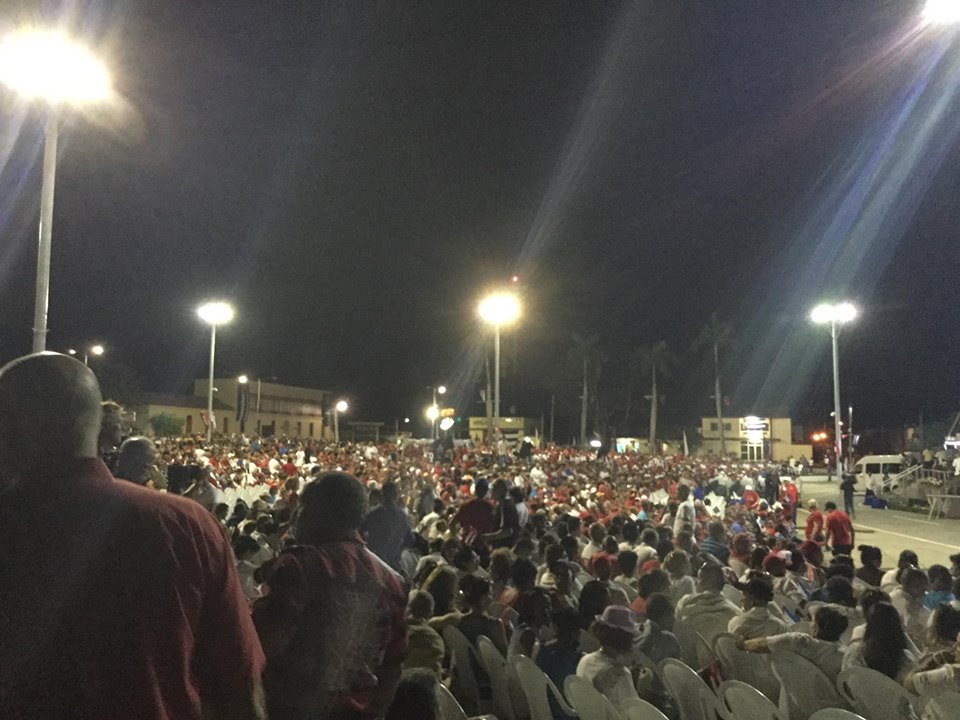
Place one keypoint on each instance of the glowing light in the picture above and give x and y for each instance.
(839, 313)
(71, 351)
(243, 379)
(433, 412)
(215, 313)
(595, 444)
(97, 350)
(442, 390)
(47, 65)
(500, 308)
(342, 406)
(406, 420)
(942, 12)
(446, 423)
(515, 278)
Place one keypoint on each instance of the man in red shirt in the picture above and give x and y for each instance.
(839, 530)
(332, 621)
(814, 527)
(475, 516)
(116, 601)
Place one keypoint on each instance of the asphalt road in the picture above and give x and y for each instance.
(890, 530)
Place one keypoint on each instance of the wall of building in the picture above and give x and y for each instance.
(776, 434)
(514, 429)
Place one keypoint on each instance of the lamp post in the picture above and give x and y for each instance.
(48, 66)
(213, 313)
(340, 407)
(498, 310)
(438, 390)
(835, 315)
(95, 350)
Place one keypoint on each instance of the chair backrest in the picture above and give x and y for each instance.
(806, 688)
(589, 702)
(750, 668)
(698, 653)
(739, 700)
(630, 591)
(835, 714)
(449, 707)
(513, 616)
(732, 594)
(461, 652)
(537, 688)
(637, 709)
(694, 699)
(874, 695)
(945, 706)
(496, 667)
(496, 610)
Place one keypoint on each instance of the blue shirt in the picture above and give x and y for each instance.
(934, 598)
(387, 532)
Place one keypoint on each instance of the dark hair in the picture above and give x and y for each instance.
(760, 588)
(330, 506)
(627, 560)
(442, 584)
(463, 557)
(940, 577)
(245, 544)
(829, 505)
(660, 610)
(528, 605)
(553, 553)
(945, 623)
(870, 597)
(630, 532)
(683, 492)
(870, 555)
(908, 558)
(524, 544)
(415, 697)
(500, 568)
(650, 537)
(884, 640)
(839, 590)
(570, 546)
(474, 589)
(711, 577)
(717, 530)
(568, 624)
(830, 623)
(652, 582)
(523, 574)
(594, 597)
(389, 493)
(618, 640)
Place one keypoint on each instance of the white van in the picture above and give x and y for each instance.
(870, 470)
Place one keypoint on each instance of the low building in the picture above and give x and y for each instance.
(754, 438)
(514, 429)
(189, 411)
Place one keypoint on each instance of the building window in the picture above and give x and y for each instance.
(714, 427)
(189, 425)
(727, 427)
(311, 431)
(299, 429)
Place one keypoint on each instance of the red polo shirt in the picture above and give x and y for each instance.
(117, 601)
(840, 528)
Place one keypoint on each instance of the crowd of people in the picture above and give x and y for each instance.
(275, 577)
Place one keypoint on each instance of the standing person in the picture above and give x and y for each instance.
(506, 519)
(332, 619)
(387, 529)
(847, 483)
(840, 533)
(686, 511)
(475, 516)
(813, 531)
(132, 607)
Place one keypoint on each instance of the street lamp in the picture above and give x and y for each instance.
(47, 66)
(340, 407)
(942, 12)
(213, 313)
(498, 310)
(438, 390)
(835, 315)
(95, 350)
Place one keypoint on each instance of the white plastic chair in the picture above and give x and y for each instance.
(496, 667)
(751, 668)
(835, 714)
(945, 706)
(693, 698)
(465, 680)
(738, 700)
(589, 702)
(874, 695)
(733, 595)
(804, 687)
(696, 636)
(450, 709)
(538, 688)
(637, 709)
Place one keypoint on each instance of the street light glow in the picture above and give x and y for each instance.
(942, 12)
(215, 313)
(71, 351)
(500, 309)
(833, 313)
(243, 379)
(433, 412)
(442, 390)
(96, 350)
(342, 406)
(47, 65)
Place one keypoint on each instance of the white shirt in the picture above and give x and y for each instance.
(756, 622)
(935, 682)
(608, 675)
(589, 551)
(956, 465)
(686, 515)
(914, 614)
(828, 656)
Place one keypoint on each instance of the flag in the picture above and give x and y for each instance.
(243, 401)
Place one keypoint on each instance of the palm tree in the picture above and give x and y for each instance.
(653, 359)
(715, 335)
(585, 357)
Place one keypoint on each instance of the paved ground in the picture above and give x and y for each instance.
(891, 530)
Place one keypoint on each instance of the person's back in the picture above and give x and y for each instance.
(386, 528)
(117, 601)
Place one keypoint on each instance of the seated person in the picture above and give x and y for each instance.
(758, 618)
(823, 649)
(608, 669)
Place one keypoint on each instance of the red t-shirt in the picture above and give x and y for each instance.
(475, 515)
(840, 528)
(814, 526)
(116, 602)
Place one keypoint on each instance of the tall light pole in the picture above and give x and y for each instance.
(340, 407)
(438, 390)
(835, 315)
(213, 313)
(48, 66)
(95, 350)
(498, 310)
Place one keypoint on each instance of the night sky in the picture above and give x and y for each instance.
(355, 175)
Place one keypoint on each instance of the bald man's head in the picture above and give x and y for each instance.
(49, 414)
